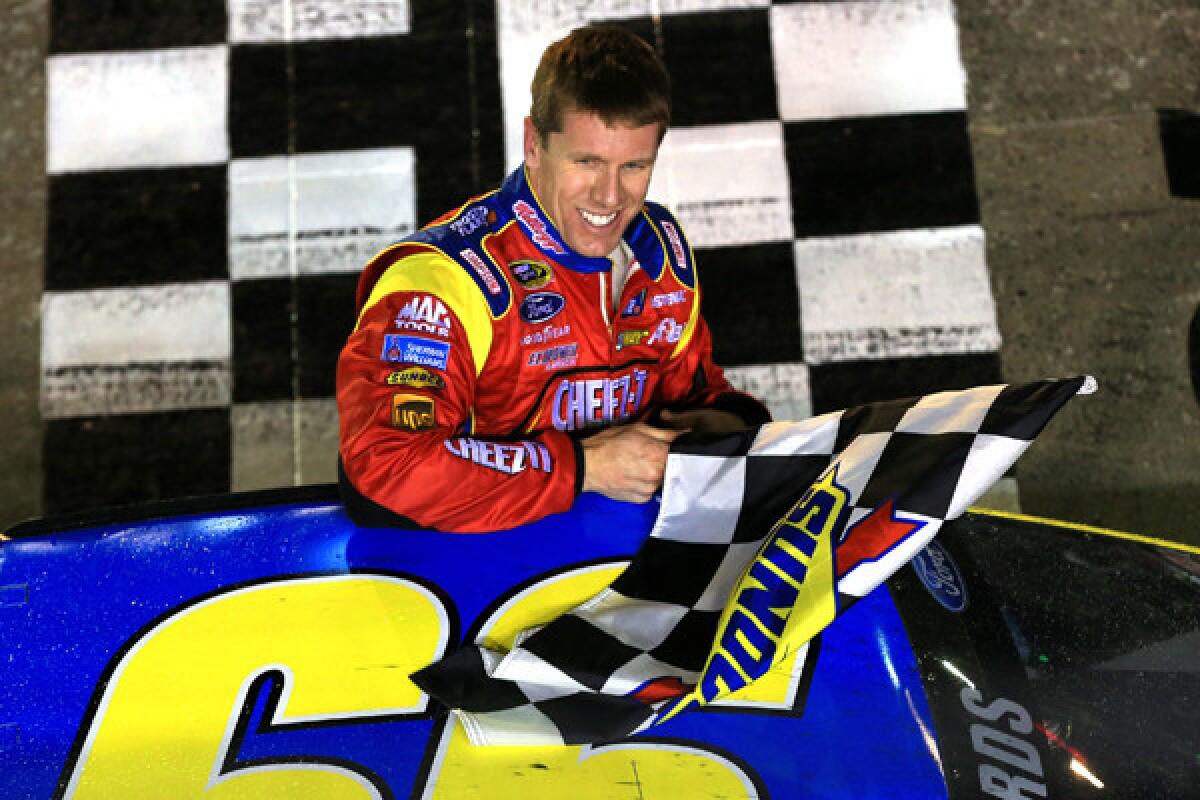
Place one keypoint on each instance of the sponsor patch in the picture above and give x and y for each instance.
(546, 334)
(424, 314)
(631, 338)
(668, 299)
(531, 274)
(412, 412)
(587, 402)
(511, 459)
(635, 306)
(668, 331)
(417, 378)
(415, 350)
(563, 355)
(941, 577)
(536, 227)
(481, 269)
(676, 243)
(470, 220)
(541, 306)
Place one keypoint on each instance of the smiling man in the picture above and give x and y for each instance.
(515, 351)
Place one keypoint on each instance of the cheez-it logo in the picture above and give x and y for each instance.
(412, 412)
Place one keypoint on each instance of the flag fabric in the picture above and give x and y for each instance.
(763, 538)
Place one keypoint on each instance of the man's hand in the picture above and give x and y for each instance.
(703, 420)
(627, 462)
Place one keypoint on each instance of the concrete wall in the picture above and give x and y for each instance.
(1095, 266)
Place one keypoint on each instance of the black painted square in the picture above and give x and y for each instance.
(136, 227)
(96, 462)
(262, 339)
(85, 26)
(750, 300)
(863, 174)
(851, 383)
(720, 66)
(259, 104)
(326, 317)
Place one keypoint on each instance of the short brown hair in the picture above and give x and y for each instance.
(604, 69)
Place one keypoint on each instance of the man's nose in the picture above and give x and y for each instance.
(607, 188)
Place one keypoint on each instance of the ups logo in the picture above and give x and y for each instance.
(412, 412)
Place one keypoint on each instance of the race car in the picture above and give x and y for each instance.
(260, 645)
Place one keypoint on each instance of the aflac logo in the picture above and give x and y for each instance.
(941, 577)
(541, 306)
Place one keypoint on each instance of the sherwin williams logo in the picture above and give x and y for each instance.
(531, 274)
(417, 378)
(536, 226)
(415, 350)
(541, 306)
(941, 577)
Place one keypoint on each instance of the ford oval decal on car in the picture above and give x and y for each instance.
(941, 577)
(541, 306)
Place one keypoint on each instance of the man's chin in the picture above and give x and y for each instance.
(593, 247)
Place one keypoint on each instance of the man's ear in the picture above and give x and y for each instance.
(532, 141)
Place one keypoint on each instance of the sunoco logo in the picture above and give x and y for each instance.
(941, 577)
(417, 378)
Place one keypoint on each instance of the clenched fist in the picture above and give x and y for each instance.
(626, 463)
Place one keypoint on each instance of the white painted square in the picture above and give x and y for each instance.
(728, 184)
(782, 388)
(318, 213)
(895, 295)
(304, 20)
(852, 59)
(155, 108)
(152, 348)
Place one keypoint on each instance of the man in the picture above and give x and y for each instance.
(490, 344)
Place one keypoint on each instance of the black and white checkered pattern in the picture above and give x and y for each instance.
(221, 169)
(924, 460)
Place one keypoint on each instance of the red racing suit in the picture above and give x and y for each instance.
(485, 347)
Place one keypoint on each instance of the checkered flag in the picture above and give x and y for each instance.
(763, 538)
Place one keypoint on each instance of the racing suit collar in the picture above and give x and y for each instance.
(518, 200)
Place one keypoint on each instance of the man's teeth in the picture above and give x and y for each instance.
(596, 219)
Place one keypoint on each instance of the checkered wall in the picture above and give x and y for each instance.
(220, 171)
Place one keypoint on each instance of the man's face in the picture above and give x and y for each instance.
(591, 178)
